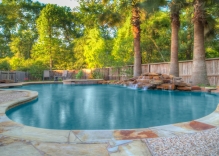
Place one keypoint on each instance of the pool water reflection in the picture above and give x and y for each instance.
(95, 107)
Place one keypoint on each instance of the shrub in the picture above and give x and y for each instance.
(79, 75)
(4, 65)
(97, 75)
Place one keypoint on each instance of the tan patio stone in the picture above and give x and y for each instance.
(94, 136)
(8, 126)
(72, 138)
(195, 125)
(162, 133)
(212, 119)
(135, 148)
(10, 147)
(56, 149)
(175, 130)
(134, 134)
(45, 135)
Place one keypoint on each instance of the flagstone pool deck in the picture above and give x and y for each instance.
(197, 137)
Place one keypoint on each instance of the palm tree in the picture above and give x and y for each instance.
(199, 71)
(135, 6)
(136, 34)
(175, 6)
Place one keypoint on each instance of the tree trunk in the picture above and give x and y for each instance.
(50, 63)
(136, 34)
(199, 71)
(174, 64)
(189, 51)
(50, 48)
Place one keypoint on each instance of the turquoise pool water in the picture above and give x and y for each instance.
(95, 107)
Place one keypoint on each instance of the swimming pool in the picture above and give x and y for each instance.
(96, 107)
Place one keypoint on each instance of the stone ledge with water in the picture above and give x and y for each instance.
(155, 81)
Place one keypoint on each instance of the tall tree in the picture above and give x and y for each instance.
(26, 34)
(122, 46)
(136, 34)
(8, 16)
(18, 26)
(135, 7)
(96, 39)
(186, 34)
(175, 25)
(199, 71)
(55, 33)
(156, 39)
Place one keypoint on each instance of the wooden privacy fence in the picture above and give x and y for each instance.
(121, 73)
(125, 72)
(185, 70)
(16, 76)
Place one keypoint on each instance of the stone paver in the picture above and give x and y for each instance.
(134, 148)
(57, 149)
(10, 146)
(45, 135)
(94, 136)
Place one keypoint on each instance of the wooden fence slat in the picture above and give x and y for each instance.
(121, 73)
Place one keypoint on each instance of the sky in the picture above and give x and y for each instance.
(69, 3)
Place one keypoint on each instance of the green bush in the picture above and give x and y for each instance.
(4, 65)
(97, 75)
(127, 72)
(79, 75)
(35, 70)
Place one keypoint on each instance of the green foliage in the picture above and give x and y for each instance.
(17, 63)
(96, 75)
(204, 85)
(55, 37)
(79, 75)
(34, 67)
(123, 45)
(36, 70)
(4, 65)
(156, 39)
(95, 50)
(79, 53)
(18, 28)
(128, 72)
(35, 37)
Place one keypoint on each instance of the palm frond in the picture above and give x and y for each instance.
(110, 18)
(151, 5)
(105, 1)
(209, 26)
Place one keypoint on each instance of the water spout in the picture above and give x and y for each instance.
(145, 88)
(133, 86)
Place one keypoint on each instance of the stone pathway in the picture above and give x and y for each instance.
(199, 137)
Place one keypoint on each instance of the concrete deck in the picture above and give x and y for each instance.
(82, 81)
(12, 85)
(198, 137)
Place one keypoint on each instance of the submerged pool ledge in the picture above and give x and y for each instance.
(152, 138)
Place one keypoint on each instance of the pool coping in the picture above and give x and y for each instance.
(13, 129)
(204, 123)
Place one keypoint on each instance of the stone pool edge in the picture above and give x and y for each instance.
(12, 129)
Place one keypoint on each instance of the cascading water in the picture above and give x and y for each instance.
(145, 88)
(133, 86)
